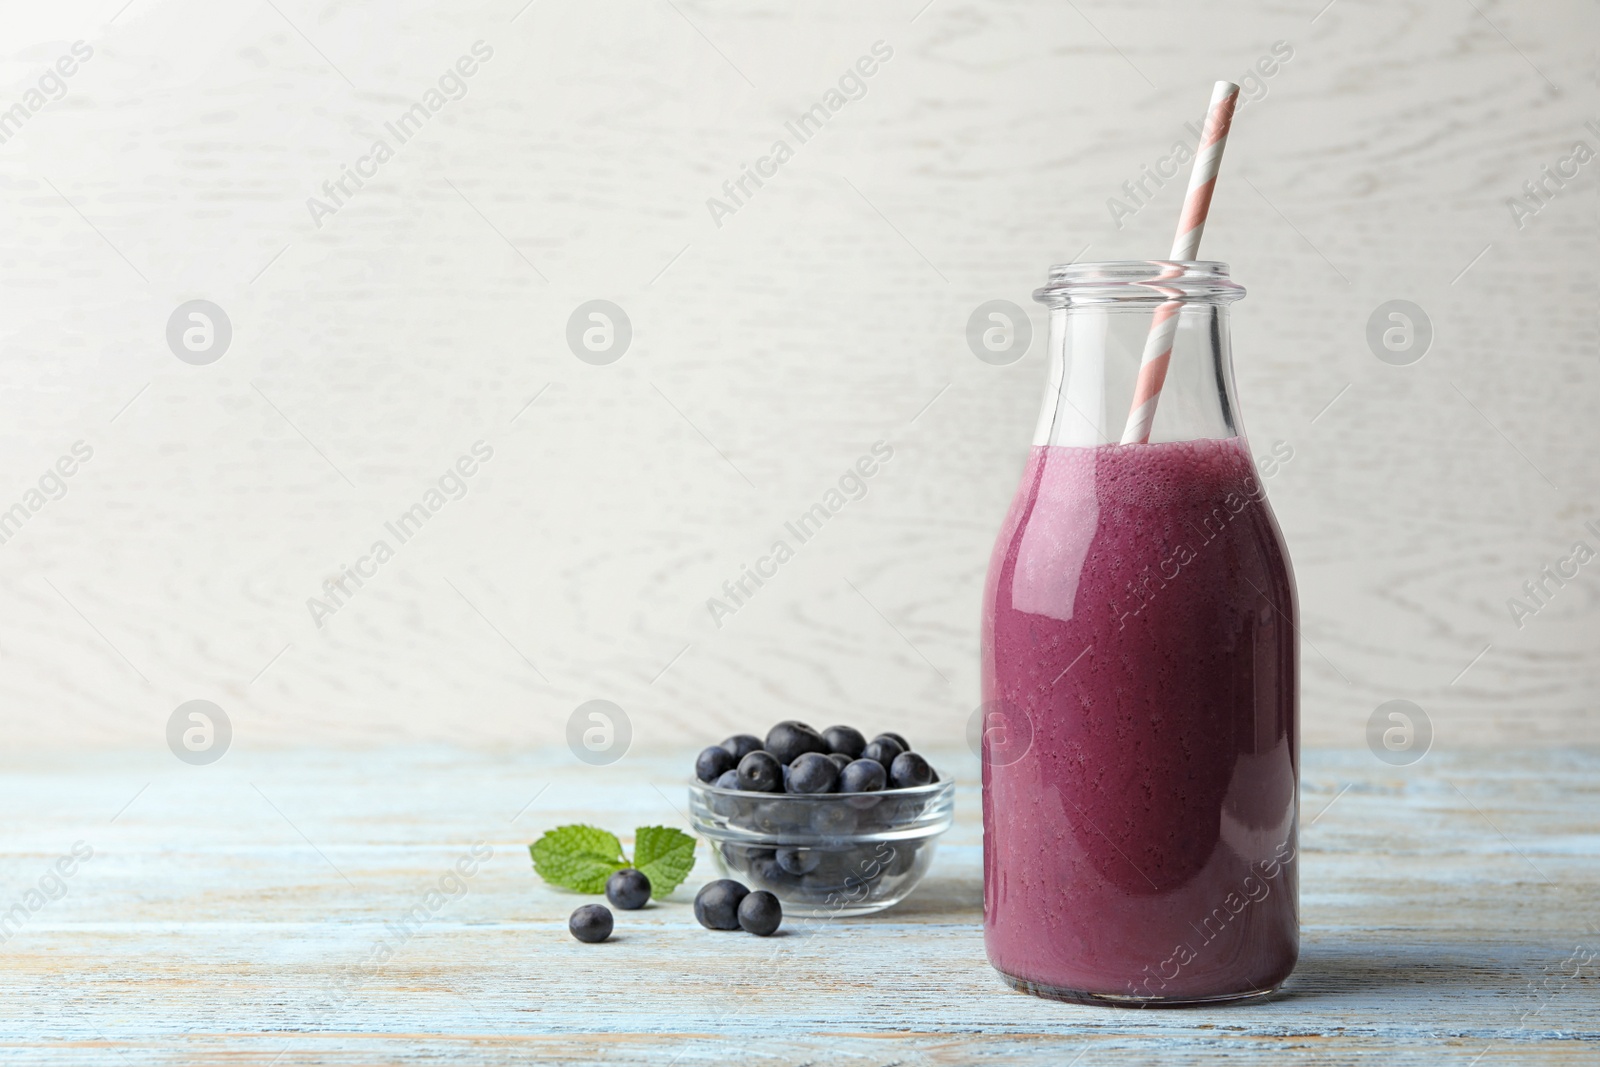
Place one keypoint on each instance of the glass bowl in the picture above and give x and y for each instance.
(826, 854)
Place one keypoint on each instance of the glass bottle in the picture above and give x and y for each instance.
(1140, 671)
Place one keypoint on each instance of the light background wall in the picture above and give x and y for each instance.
(768, 353)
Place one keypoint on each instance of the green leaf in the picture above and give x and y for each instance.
(664, 855)
(577, 857)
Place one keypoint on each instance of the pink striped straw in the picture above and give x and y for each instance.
(1185, 246)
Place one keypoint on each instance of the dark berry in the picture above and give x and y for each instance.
(909, 770)
(905, 746)
(760, 772)
(834, 820)
(799, 860)
(845, 739)
(789, 739)
(760, 913)
(796, 722)
(744, 855)
(709, 765)
(769, 873)
(858, 884)
(884, 750)
(863, 776)
(774, 817)
(591, 923)
(716, 906)
(628, 889)
(840, 760)
(728, 780)
(741, 745)
(812, 773)
(757, 864)
(905, 858)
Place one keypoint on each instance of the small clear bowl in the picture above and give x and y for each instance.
(827, 854)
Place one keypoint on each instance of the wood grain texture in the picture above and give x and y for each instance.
(1443, 906)
(769, 352)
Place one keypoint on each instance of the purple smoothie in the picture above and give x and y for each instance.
(1138, 627)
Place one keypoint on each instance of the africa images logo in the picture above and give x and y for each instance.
(453, 484)
(852, 85)
(452, 86)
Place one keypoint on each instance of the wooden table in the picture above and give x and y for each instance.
(1450, 915)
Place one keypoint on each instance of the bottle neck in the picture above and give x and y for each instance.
(1096, 355)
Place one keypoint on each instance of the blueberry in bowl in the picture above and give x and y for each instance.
(760, 772)
(830, 830)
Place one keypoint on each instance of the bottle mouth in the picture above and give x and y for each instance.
(1139, 282)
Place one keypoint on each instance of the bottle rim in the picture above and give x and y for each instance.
(1139, 282)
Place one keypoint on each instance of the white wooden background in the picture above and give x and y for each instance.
(828, 313)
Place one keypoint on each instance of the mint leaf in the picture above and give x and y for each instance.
(663, 855)
(578, 857)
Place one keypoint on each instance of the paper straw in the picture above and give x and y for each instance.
(1185, 246)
